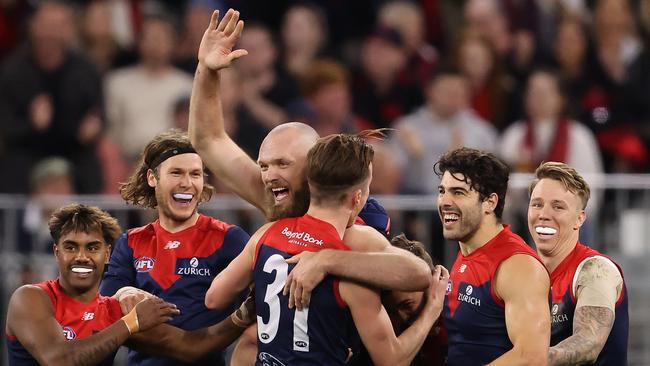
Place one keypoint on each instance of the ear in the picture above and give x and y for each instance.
(490, 203)
(582, 217)
(55, 249)
(108, 253)
(151, 178)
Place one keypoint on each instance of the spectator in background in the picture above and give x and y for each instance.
(380, 94)
(50, 103)
(304, 37)
(265, 88)
(444, 123)
(489, 85)
(197, 16)
(51, 183)
(97, 36)
(408, 19)
(140, 98)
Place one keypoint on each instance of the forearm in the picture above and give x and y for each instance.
(411, 340)
(390, 271)
(186, 346)
(90, 350)
(516, 357)
(206, 114)
(575, 350)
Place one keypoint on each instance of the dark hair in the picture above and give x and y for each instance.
(483, 171)
(137, 190)
(336, 163)
(76, 217)
(415, 247)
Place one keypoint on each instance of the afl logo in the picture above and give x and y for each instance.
(144, 264)
(194, 262)
(69, 333)
(264, 336)
(555, 309)
(469, 289)
(301, 344)
(449, 287)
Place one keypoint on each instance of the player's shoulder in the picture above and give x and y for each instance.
(145, 230)
(28, 296)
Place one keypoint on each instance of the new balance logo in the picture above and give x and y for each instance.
(172, 244)
(88, 316)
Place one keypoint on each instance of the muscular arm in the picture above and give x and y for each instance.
(372, 261)
(598, 286)
(206, 124)
(30, 318)
(376, 330)
(523, 284)
(236, 277)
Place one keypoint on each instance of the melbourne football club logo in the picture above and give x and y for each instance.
(268, 359)
(69, 333)
(144, 264)
(469, 289)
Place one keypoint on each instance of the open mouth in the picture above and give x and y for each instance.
(449, 218)
(280, 193)
(545, 231)
(185, 198)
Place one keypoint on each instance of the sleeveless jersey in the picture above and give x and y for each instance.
(320, 334)
(563, 305)
(77, 319)
(177, 267)
(473, 315)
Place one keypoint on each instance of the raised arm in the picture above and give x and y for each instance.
(206, 126)
(372, 261)
(598, 286)
(374, 326)
(31, 320)
(523, 284)
(191, 346)
(234, 279)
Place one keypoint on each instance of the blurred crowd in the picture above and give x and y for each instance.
(84, 85)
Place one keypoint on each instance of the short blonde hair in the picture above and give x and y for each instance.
(568, 176)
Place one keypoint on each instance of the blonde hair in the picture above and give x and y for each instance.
(568, 176)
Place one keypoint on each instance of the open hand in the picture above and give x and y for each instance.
(215, 51)
(305, 276)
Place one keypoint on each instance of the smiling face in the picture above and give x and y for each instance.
(554, 216)
(178, 184)
(282, 161)
(460, 208)
(81, 258)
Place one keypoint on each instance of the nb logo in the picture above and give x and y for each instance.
(469, 289)
(88, 316)
(144, 264)
(172, 244)
(462, 268)
(69, 333)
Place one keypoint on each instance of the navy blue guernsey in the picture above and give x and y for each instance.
(563, 305)
(318, 335)
(177, 267)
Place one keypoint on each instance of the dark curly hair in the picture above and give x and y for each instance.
(483, 171)
(76, 217)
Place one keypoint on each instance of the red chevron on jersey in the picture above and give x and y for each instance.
(157, 251)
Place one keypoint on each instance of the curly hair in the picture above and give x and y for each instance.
(481, 170)
(137, 190)
(76, 217)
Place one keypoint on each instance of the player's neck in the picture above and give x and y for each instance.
(174, 226)
(486, 232)
(555, 256)
(337, 217)
(83, 297)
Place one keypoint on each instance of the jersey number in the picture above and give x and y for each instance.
(266, 332)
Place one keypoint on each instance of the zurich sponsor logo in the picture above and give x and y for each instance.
(192, 267)
(555, 308)
(450, 285)
(268, 359)
(144, 264)
(557, 316)
(469, 289)
(69, 333)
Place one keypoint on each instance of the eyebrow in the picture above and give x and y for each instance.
(453, 188)
(68, 241)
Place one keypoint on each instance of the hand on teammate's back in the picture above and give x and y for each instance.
(215, 51)
(304, 277)
(154, 311)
